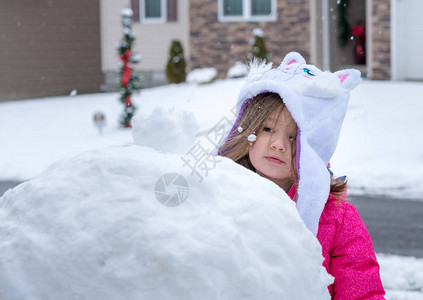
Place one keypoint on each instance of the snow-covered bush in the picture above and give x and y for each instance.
(175, 68)
(257, 46)
(238, 70)
(202, 76)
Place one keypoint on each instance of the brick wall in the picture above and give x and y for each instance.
(220, 45)
(381, 35)
(49, 47)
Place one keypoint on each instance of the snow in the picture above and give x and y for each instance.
(135, 58)
(91, 227)
(36, 133)
(181, 130)
(402, 277)
(127, 12)
(258, 32)
(380, 150)
(201, 76)
(239, 69)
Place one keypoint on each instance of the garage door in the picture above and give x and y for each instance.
(409, 36)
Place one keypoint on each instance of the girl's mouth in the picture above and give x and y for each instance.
(274, 160)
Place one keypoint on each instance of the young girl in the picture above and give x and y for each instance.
(288, 124)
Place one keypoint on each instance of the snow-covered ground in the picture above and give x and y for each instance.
(380, 149)
(402, 277)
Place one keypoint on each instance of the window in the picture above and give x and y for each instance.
(232, 7)
(246, 10)
(261, 7)
(154, 11)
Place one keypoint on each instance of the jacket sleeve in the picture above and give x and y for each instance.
(353, 261)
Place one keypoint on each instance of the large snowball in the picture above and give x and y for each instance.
(92, 228)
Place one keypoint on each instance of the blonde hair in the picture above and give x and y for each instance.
(253, 113)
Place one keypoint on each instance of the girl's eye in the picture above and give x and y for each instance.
(291, 138)
(267, 129)
(309, 73)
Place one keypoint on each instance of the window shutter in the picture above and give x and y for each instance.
(135, 5)
(172, 10)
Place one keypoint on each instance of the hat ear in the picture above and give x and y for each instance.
(349, 78)
(293, 57)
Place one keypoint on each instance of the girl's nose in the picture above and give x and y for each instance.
(279, 143)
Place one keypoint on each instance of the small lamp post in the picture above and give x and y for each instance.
(99, 121)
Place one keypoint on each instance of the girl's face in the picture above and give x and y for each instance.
(271, 153)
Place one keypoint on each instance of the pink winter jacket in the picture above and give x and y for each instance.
(348, 252)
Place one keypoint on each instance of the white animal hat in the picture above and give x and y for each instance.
(318, 102)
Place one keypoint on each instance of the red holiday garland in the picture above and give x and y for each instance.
(126, 69)
(126, 76)
(129, 81)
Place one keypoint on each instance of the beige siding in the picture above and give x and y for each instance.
(49, 48)
(153, 40)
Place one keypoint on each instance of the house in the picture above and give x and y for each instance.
(220, 34)
(217, 33)
(49, 47)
